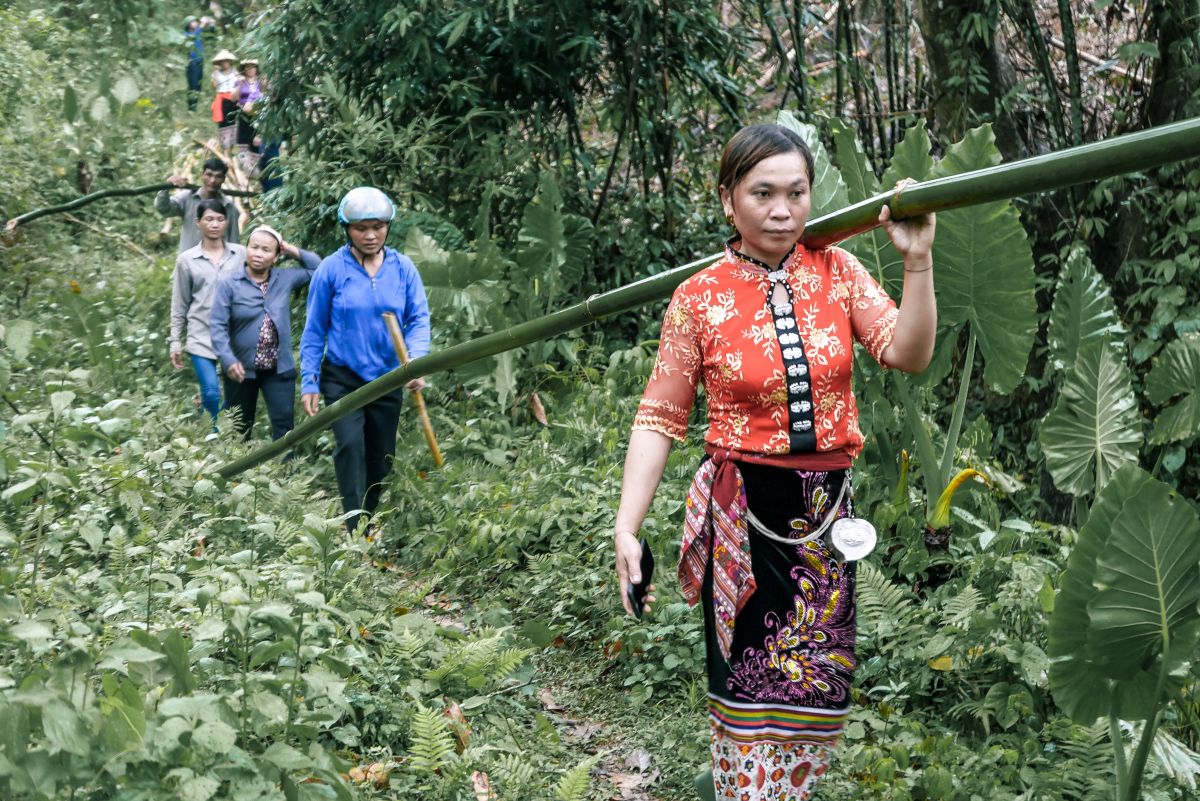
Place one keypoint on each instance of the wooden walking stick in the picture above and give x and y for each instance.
(402, 354)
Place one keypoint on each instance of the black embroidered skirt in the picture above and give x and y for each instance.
(777, 707)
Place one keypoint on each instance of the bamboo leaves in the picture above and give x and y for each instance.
(1094, 427)
(985, 269)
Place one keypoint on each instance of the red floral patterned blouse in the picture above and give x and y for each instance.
(777, 376)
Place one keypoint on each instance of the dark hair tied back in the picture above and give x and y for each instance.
(211, 204)
(754, 143)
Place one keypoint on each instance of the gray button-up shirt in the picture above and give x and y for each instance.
(183, 204)
(239, 306)
(192, 286)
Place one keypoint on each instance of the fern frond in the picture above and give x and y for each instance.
(887, 612)
(432, 745)
(478, 655)
(509, 660)
(514, 774)
(573, 785)
(409, 645)
(958, 610)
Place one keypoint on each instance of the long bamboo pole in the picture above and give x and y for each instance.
(1091, 162)
(394, 329)
(79, 202)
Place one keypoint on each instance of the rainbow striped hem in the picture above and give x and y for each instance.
(775, 723)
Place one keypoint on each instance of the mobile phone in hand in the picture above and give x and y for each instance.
(638, 592)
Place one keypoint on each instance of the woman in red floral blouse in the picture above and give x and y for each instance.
(769, 332)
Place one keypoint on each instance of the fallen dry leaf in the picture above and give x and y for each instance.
(548, 701)
(633, 786)
(482, 786)
(583, 733)
(539, 411)
(377, 773)
(638, 759)
(459, 725)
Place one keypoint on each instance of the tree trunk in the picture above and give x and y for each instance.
(954, 48)
(1178, 67)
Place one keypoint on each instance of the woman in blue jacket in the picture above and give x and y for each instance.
(252, 330)
(346, 343)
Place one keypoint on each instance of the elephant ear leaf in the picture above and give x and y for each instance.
(911, 159)
(984, 268)
(1083, 310)
(1094, 427)
(1176, 372)
(1080, 668)
(828, 190)
(1148, 582)
(852, 162)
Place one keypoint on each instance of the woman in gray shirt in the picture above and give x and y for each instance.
(252, 330)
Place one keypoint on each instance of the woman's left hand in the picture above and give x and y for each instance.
(912, 237)
(415, 384)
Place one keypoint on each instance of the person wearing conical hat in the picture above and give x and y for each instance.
(250, 92)
(225, 81)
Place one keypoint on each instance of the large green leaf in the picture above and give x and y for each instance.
(984, 269)
(1083, 310)
(1094, 426)
(911, 159)
(828, 190)
(1080, 688)
(552, 251)
(1176, 372)
(1148, 577)
(440, 268)
(851, 162)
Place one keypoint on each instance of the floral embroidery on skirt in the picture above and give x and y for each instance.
(778, 706)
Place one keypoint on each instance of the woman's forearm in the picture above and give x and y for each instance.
(644, 464)
(912, 343)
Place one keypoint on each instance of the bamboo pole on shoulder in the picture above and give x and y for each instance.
(1092, 162)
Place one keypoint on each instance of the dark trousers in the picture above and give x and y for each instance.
(195, 71)
(366, 441)
(279, 391)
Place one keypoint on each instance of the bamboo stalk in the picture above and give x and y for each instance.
(1122, 154)
(1109, 64)
(418, 400)
(79, 202)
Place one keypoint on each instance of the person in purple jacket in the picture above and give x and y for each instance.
(346, 344)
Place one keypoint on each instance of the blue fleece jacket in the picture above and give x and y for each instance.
(345, 316)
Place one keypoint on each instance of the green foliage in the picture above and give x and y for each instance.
(474, 292)
(987, 269)
(1083, 310)
(1176, 373)
(1126, 618)
(1094, 427)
